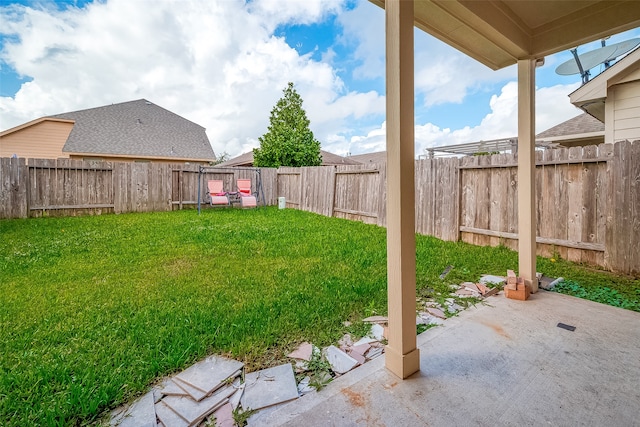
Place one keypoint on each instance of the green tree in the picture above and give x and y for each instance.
(288, 141)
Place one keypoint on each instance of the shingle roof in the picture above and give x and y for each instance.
(584, 123)
(136, 128)
(245, 159)
(328, 159)
(377, 157)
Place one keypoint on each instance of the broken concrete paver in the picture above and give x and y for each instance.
(168, 417)
(192, 411)
(170, 388)
(374, 352)
(300, 366)
(234, 399)
(428, 319)
(141, 413)
(346, 341)
(445, 272)
(489, 279)
(269, 387)
(303, 352)
(210, 373)
(376, 319)
(377, 331)
(436, 312)
(452, 306)
(340, 361)
(358, 357)
(191, 391)
(361, 349)
(304, 387)
(364, 340)
(224, 416)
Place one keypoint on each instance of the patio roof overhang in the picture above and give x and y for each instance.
(498, 33)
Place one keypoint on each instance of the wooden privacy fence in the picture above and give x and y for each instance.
(351, 192)
(64, 187)
(588, 199)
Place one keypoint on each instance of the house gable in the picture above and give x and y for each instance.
(40, 138)
(592, 96)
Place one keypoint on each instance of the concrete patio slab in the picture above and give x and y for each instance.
(506, 363)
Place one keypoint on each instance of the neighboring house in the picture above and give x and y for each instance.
(367, 158)
(613, 97)
(328, 159)
(581, 130)
(130, 131)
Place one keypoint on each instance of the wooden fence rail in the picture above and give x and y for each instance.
(588, 199)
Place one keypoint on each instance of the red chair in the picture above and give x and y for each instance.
(247, 199)
(217, 197)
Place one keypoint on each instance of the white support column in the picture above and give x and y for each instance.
(402, 357)
(526, 173)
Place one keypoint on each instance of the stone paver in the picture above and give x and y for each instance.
(269, 387)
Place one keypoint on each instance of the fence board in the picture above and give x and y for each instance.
(589, 205)
(13, 188)
(623, 235)
(574, 188)
(634, 203)
(289, 186)
(546, 200)
(357, 194)
(561, 200)
(318, 189)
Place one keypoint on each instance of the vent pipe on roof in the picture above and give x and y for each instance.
(139, 121)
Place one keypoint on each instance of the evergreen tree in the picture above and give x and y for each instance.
(288, 141)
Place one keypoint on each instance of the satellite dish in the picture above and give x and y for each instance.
(581, 64)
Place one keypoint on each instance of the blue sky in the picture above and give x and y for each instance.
(223, 64)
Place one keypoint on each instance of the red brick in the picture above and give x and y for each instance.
(522, 292)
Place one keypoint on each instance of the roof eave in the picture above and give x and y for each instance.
(577, 136)
(136, 156)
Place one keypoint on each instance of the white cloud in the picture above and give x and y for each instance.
(552, 108)
(294, 11)
(216, 63)
(363, 28)
(444, 75)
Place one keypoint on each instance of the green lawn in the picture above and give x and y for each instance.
(94, 309)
